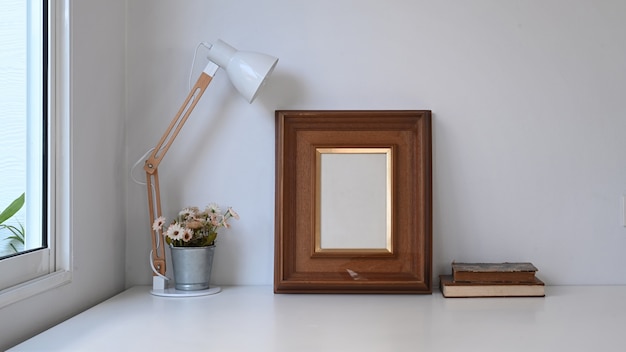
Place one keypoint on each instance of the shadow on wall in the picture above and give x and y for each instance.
(282, 91)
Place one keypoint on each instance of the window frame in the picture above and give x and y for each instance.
(30, 278)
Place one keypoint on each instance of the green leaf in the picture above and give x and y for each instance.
(211, 238)
(15, 238)
(12, 209)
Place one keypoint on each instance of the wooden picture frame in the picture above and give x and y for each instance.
(373, 168)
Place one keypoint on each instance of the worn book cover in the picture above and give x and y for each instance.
(494, 272)
(452, 288)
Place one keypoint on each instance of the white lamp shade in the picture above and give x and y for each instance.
(247, 70)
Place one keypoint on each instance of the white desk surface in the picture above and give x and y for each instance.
(253, 318)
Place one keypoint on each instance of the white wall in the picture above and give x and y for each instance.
(98, 174)
(527, 97)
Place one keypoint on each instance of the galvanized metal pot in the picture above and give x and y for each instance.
(192, 267)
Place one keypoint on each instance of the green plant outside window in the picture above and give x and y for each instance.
(17, 233)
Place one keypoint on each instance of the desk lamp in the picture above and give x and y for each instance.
(247, 72)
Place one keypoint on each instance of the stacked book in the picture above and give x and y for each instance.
(492, 280)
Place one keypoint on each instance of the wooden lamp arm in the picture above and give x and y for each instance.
(152, 163)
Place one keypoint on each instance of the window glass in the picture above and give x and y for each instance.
(23, 118)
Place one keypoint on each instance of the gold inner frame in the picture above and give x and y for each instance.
(387, 249)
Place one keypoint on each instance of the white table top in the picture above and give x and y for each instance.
(253, 318)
